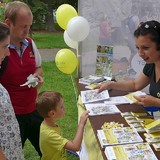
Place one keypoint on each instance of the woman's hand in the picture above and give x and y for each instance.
(104, 86)
(146, 100)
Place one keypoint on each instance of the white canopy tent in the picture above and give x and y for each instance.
(112, 23)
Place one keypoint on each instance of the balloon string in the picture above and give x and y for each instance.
(75, 91)
(77, 52)
(78, 65)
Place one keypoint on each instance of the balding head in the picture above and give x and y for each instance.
(13, 9)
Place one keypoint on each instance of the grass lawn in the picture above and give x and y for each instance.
(49, 40)
(56, 80)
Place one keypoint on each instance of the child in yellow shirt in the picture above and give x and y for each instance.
(50, 106)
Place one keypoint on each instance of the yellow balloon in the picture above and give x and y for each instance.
(66, 61)
(64, 13)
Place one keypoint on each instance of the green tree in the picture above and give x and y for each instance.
(43, 11)
(49, 16)
(74, 3)
(39, 10)
(53, 5)
(2, 13)
(2, 7)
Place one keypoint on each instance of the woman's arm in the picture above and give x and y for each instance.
(2, 157)
(130, 85)
(148, 100)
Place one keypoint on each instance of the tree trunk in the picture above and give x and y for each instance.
(49, 17)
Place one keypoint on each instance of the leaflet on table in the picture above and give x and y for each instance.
(153, 130)
(139, 151)
(93, 96)
(153, 135)
(93, 85)
(153, 126)
(152, 140)
(131, 98)
(115, 136)
(156, 146)
(117, 100)
(91, 79)
(101, 108)
(127, 99)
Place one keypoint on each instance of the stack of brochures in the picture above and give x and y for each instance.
(153, 127)
(138, 151)
(93, 101)
(125, 143)
(118, 136)
(154, 139)
(126, 99)
(101, 108)
(89, 96)
(131, 98)
(91, 79)
(137, 120)
(93, 85)
(156, 146)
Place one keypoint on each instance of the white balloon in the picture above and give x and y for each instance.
(78, 28)
(69, 41)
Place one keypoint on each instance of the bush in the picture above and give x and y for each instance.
(2, 13)
(57, 27)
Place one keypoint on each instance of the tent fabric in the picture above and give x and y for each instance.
(112, 23)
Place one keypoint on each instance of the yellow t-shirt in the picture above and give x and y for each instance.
(52, 143)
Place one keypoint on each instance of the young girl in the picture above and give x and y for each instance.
(50, 106)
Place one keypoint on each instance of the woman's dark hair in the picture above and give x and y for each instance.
(150, 27)
(4, 31)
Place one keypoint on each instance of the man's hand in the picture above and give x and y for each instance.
(40, 79)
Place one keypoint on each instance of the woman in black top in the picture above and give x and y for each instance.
(147, 41)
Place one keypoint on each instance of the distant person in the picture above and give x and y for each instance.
(147, 41)
(24, 60)
(50, 106)
(132, 23)
(146, 12)
(10, 140)
(105, 32)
